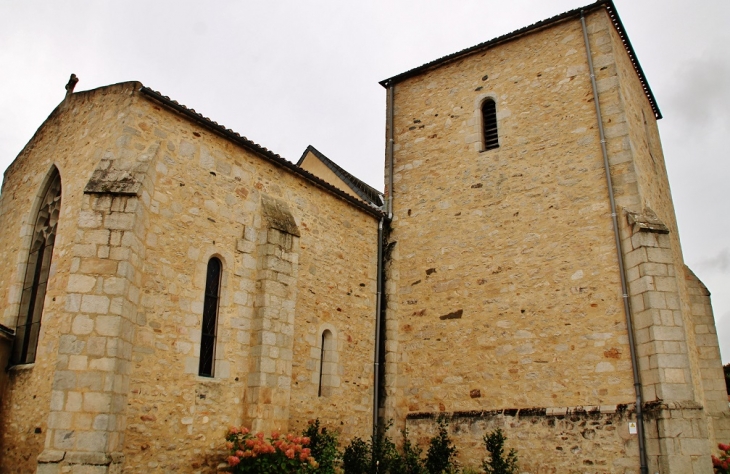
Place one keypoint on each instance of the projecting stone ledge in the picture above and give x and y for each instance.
(111, 181)
(278, 215)
(646, 221)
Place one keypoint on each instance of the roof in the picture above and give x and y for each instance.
(366, 192)
(259, 150)
(612, 13)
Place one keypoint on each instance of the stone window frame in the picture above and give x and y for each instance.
(210, 317)
(192, 363)
(479, 120)
(27, 232)
(326, 376)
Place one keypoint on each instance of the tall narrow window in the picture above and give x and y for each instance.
(210, 318)
(489, 124)
(36, 273)
(327, 363)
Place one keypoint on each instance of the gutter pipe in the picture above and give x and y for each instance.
(619, 251)
(385, 220)
(378, 317)
(391, 142)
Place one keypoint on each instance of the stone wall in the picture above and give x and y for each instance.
(26, 402)
(503, 287)
(145, 206)
(504, 277)
(562, 440)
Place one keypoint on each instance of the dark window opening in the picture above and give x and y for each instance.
(210, 318)
(489, 125)
(327, 361)
(36, 274)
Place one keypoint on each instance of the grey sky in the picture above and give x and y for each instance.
(287, 74)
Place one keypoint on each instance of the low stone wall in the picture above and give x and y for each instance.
(547, 440)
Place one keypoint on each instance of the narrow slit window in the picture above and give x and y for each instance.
(210, 318)
(326, 363)
(489, 125)
(36, 274)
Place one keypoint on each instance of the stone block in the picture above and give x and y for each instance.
(95, 304)
(80, 283)
(659, 255)
(95, 402)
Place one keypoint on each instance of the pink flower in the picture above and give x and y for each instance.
(233, 430)
(229, 445)
(245, 430)
(724, 447)
(239, 453)
(233, 461)
(290, 453)
(260, 435)
(305, 440)
(275, 435)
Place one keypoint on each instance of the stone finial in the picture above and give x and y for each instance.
(71, 84)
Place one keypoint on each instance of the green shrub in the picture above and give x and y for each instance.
(323, 447)
(498, 463)
(441, 454)
(410, 461)
(356, 458)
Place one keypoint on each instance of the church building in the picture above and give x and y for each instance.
(165, 277)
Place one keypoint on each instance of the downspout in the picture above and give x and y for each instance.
(622, 272)
(391, 143)
(388, 208)
(378, 313)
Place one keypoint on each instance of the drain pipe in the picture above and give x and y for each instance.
(622, 273)
(391, 143)
(388, 208)
(378, 317)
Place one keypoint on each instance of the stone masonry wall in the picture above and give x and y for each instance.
(277, 292)
(566, 440)
(712, 375)
(27, 398)
(503, 289)
(115, 383)
(634, 125)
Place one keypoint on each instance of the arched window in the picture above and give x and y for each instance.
(327, 364)
(210, 318)
(489, 124)
(36, 273)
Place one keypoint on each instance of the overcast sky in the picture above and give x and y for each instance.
(287, 74)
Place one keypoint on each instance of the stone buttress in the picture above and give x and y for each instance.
(87, 419)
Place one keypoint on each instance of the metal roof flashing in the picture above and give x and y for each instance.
(571, 14)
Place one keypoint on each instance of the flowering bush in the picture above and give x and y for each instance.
(722, 464)
(275, 455)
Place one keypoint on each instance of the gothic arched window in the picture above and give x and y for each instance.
(210, 318)
(36, 273)
(489, 124)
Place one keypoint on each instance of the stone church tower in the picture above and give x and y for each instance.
(536, 281)
(165, 277)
